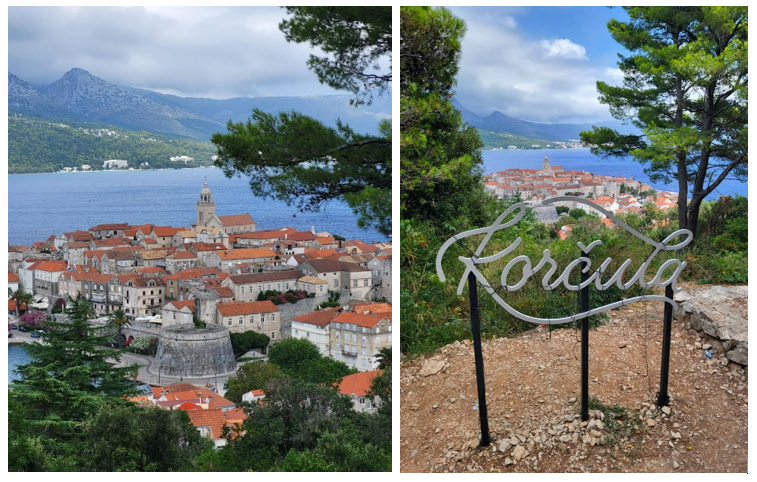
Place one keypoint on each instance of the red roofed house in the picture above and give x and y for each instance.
(12, 281)
(357, 386)
(253, 396)
(259, 316)
(356, 339)
(210, 423)
(227, 259)
(163, 235)
(46, 277)
(108, 230)
(314, 327)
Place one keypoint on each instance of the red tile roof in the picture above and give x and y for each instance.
(359, 320)
(357, 384)
(52, 266)
(318, 318)
(236, 219)
(223, 292)
(246, 253)
(215, 419)
(181, 304)
(236, 308)
(110, 227)
(12, 277)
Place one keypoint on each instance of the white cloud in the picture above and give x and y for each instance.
(500, 69)
(614, 76)
(509, 22)
(216, 52)
(563, 47)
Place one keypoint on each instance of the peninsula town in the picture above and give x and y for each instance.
(184, 291)
(616, 194)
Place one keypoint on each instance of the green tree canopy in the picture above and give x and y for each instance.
(295, 158)
(440, 159)
(685, 86)
(356, 41)
(251, 376)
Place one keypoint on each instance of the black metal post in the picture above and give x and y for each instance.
(478, 354)
(584, 346)
(663, 398)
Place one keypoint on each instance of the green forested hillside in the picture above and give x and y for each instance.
(501, 140)
(36, 145)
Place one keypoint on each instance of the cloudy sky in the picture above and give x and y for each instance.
(214, 52)
(537, 63)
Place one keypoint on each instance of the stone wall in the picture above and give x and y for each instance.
(185, 351)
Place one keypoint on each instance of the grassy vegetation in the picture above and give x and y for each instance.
(433, 314)
(620, 423)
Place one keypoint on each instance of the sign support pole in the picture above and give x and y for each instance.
(477, 350)
(663, 398)
(584, 345)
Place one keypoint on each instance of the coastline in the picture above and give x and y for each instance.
(112, 170)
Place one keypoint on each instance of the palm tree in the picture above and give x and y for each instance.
(118, 317)
(20, 297)
(384, 357)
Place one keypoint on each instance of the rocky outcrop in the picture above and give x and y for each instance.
(721, 313)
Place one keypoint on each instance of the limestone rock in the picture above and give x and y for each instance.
(720, 312)
(432, 367)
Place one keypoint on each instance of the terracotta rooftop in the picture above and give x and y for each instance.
(12, 277)
(246, 253)
(110, 227)
(332, 265)
(237, 308)
(236, 219)
(182, 304)
(318, 318)
(263, 277)
(357, 384)
(215, 420)
(359, 320)
(52, 266)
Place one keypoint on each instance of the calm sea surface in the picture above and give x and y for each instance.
(583, 160)
(45, 204)
(16, 356)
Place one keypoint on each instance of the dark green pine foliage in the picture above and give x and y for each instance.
(685, 86)
(297, 159)
(69, 377)
(440, 161)
(355, 39)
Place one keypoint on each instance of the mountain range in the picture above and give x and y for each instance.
(82, 97)
(501, 123)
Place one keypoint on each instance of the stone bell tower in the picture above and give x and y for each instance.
(206, 208)
(546, 168)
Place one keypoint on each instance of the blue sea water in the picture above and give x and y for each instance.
(17, 355)
(43, 204)
(584, 160)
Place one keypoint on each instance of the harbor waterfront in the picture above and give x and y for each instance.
(52, 203)
(584, 160)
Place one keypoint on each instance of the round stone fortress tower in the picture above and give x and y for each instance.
(186, 351)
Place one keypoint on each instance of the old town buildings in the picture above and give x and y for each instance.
(281, 282)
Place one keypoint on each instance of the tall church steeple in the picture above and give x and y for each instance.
(546, 168)
(206, 208)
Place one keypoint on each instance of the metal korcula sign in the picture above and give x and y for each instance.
(549, 282)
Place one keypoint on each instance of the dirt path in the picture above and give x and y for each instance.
(532, 386)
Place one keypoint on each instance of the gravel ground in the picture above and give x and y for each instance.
(533, 394)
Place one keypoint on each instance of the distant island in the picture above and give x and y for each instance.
(42, 145)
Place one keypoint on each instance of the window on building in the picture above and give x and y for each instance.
(388, 338)
(338, 346)
(354, 337)
(229, 323)
(354, 283)
(241, 320)
(273, 335)
(354, 350)
(364, 351)
(365, 282)
(336, 283)
(364, 341)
